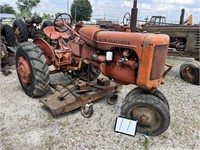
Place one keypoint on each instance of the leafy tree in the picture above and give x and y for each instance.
(36, 15)
(26, 6)
(46, 16)
(81, 10)
(58, 13)
(7, 9)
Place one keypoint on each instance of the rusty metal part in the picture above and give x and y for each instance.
(72, 99)
(53, 34)
(82, 85)
(24, 71)
(103, 81)
(168, 70)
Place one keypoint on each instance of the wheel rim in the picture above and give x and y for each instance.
(148, 118)
(17, 35)
(24, 71)
(189, 73)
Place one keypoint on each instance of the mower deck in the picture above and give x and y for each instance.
(77, 94)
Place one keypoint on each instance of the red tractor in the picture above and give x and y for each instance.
(124, 57)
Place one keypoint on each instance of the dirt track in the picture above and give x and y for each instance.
(26, 125)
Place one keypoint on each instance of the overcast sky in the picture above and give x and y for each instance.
(115, 9)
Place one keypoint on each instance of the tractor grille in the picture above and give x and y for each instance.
(159, 57)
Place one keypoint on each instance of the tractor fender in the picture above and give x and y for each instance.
(46, 48)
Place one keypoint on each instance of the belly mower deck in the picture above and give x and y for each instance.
(80, 94)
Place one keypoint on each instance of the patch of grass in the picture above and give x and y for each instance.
(50, 142)
(50, 118)
(146, 143)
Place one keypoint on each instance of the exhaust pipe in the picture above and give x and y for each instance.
(182, 16)
(134, 12)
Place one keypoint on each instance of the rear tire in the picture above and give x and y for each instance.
(152, 114)
(9, 35)
(20, 30)
(189, 71)
(37, 82)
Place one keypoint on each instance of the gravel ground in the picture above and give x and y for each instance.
(26, 125)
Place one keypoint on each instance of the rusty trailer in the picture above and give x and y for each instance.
(81, 94)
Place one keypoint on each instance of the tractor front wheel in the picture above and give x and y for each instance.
(32, 69)
(151, 113)
(157, 93)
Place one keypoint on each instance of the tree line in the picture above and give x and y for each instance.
(81, 10)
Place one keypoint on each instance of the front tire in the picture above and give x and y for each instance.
(157, 93)
(152, 113)
(32, 69)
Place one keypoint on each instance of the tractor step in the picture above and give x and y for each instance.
(79, 93)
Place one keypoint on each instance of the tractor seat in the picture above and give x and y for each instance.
(53, 34)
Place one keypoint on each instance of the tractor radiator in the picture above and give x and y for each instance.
(158, 62)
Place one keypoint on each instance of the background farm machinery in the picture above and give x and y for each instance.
(126, 58)
(7, 42)
(184, 39)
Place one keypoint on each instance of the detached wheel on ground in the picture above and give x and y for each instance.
(152, 113)
(8, 34)
(20, 30)
(189, 71)
(157, 93)
(32, 69)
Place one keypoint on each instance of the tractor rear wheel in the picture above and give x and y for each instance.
(151, 113)
(189, 71)
(20, 30)
(157, 93)
(9, 35)
(32, 69)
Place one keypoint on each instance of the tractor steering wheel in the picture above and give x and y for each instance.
(127, 19)
(60, 20)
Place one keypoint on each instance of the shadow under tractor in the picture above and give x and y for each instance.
(124, 57)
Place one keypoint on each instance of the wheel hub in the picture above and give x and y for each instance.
(24, 71)
(145, 116)
(189, 72)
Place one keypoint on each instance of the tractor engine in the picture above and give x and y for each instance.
(128, 58)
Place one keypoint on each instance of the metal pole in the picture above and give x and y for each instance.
(68, 6)
(134, 16)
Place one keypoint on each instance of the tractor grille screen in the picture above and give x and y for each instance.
(159, 57)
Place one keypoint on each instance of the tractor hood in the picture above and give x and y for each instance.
(104, 40)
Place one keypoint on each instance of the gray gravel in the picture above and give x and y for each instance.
(26, 125)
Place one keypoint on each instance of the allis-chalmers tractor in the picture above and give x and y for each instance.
(124, 57)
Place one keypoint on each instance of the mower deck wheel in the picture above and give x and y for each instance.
(87, 110)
